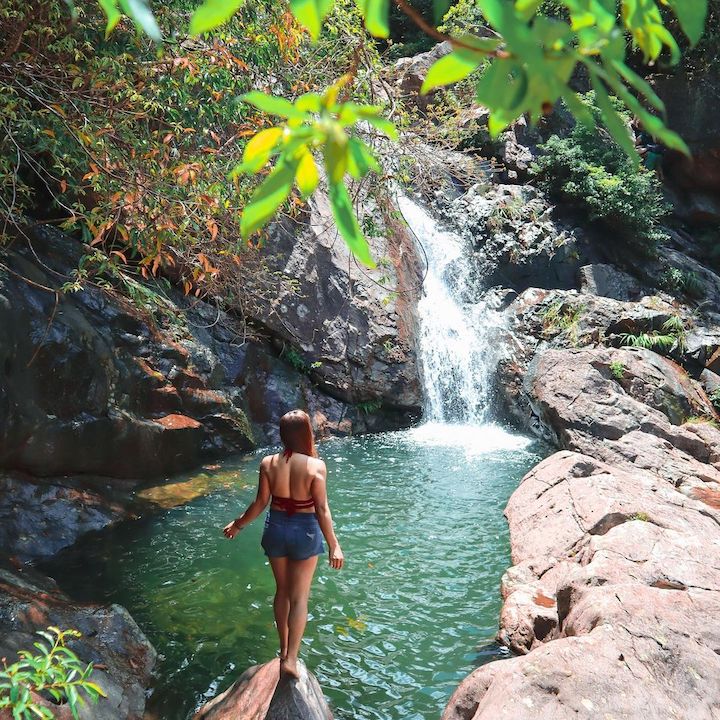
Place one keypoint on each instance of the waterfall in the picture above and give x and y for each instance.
(456, 344)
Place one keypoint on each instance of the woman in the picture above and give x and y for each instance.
(294, 482)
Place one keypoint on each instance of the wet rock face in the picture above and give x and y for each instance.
(39, 517)
(91, 385)
(518, 242)
(262, 693)
(350, 330)
(111, 640)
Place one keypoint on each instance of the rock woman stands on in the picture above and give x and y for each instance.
(294, 482)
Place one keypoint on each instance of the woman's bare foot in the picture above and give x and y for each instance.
(288, 666)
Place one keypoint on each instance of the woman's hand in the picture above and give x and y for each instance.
(336, 558)
(231, 530)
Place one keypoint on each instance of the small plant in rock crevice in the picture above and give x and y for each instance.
(617, 369)
(642, 516)
(684, 282)
(368, 407)
(561, 317)
(53, 672)
(696, 419)
(714, 398)
(671, 336)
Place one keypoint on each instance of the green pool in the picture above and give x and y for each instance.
(419, 515)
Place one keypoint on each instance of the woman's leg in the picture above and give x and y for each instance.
(300, 575)
(281, 603)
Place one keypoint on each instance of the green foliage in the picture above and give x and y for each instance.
(685, 282)
(714, 398)
(617, 369)
(534, 54)
(671, 337)
(369, 407)
(313, 123)
(590, 172)
(53, 672)
(563, 317)
(641, 516)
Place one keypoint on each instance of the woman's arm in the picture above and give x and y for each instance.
(318, 491)
(255, 507)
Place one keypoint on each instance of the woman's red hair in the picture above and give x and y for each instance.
(296, 433)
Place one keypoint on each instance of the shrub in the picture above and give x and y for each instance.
(671, 336)
(54, 672)
(588, 171)
(686, 282)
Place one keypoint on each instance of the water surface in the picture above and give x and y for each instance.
(419, 514)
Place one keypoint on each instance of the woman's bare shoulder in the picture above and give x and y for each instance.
(318, 466)
(267, 461)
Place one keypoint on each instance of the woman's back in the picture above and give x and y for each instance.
(291, 477)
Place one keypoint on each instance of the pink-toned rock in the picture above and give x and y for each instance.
(262, 694)
(616, 574)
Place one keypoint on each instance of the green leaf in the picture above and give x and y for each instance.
(273, 105)
(360, 159)
(311, 14)
(141, 14)
(269, 196)
(307, 175)
(112, 14)
(451, 69)
(692, 15)
(347, 224)
(383, 125)
(612, 121)
(376, 14)
(257, 151)
(212, 14)
(336, 152)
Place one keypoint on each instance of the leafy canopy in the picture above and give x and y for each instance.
(533, 56)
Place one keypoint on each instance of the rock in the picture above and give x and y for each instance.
(692, 110)
(608, 281)
(260, 693)
(39, 517)
(410, 74)
(624, 570)
(518, 243)
(538, 319)
(110, 639)
(710, 382)
(88, 385)
(349, 329)
(271, 388)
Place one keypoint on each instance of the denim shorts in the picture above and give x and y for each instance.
(297, 536)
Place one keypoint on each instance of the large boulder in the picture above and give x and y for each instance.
(41, 516)
(349, 328)
(262, 694)
(90, 384)
(111, 640)
(615, 574)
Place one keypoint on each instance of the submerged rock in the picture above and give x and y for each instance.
(262, 694)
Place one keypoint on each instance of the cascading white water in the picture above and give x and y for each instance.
(456, 346)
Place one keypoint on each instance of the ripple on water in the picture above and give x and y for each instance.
(419, 513)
